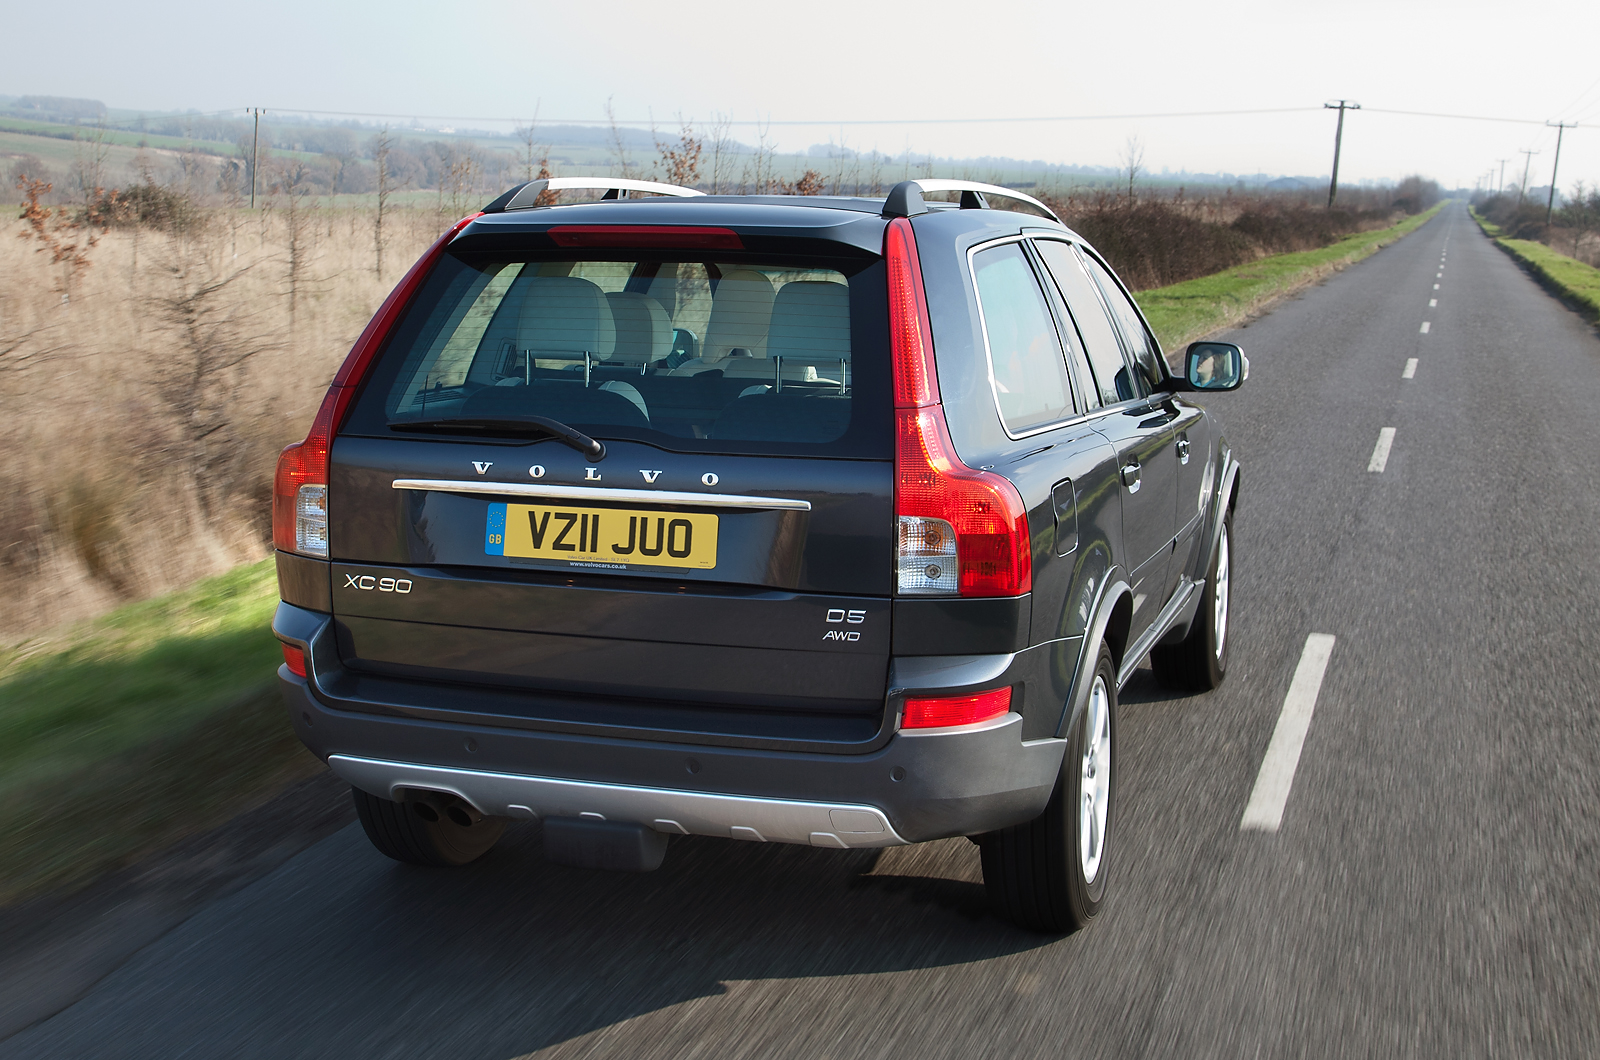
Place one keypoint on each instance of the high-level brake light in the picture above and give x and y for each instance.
(653, 237)
(961, 531)
(300, 485)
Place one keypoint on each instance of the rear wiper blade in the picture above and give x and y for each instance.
(589, 447)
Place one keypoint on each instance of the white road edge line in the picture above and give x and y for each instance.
(1425, 327)
(1411, 369)
(1380, 452)
(1264, 811)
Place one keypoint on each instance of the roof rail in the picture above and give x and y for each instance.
(906, 201)
(523, 196)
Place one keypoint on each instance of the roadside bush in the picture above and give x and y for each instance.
(1153, 242)
(150, 205)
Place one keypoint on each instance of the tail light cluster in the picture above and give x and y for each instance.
(300, 487)
(961, 531)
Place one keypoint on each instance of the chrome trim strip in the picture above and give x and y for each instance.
(604, 493)
(840, 826)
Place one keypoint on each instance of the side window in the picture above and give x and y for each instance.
(1077, 358)
(1146, 354)
(1030, 377)
(1111, 372)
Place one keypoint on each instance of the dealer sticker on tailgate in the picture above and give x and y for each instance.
(602, 535)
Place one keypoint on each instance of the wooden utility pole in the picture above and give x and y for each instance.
(255, 153)
(1338, 139)
(1502, 186)
(1522, 192)
(1550, 205)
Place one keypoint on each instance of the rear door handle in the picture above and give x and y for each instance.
(1183, 448)
(1130, 474)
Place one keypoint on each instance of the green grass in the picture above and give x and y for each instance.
(122, 735)
(1567, 278)
(1190, 310)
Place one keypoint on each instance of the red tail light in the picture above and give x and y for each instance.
(300, 486)
(955, 710)
(294, 659)
(960, 530)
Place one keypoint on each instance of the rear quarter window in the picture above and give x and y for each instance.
(1025, 358)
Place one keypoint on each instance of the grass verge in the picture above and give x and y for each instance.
(1567, 278)
(1187, 311)
(120, 736)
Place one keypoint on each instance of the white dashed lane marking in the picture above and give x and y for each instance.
(1411, 369)
(1264, 811)
(1433, 303)
(1425, 327)
(1435, 287)
(1380, 452)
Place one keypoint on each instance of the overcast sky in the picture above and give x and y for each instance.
(836, 63)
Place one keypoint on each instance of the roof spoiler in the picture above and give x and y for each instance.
(905, 198)
(524, 196)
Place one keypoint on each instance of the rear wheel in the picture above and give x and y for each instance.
(434, 830)
(1050, 874)
(1199, 662)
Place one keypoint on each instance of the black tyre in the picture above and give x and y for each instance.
(1050, 874)
(434, 830)
(1199, 662)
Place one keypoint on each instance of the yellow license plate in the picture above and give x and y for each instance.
(613, 536)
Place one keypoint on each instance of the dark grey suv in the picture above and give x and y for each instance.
(829, 521)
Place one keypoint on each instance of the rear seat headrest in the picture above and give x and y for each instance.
(644, 331)
(811, 318)
(741, 313)
(565, 315)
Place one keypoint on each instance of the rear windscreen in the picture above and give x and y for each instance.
(702, 356)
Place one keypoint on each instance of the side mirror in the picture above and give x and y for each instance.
(1215, 366)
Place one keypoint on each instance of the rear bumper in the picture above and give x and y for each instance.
(912, 787)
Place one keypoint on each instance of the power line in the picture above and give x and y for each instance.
(1010, 119)
(1458, 117)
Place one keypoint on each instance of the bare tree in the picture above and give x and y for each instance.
(680, 161)
(1133, 160)
(533, 151)
(381, 144)
(198, 381)
(89, 163)
(230, 182)
(721, 150)
(619, 149)
(298, 216)
(757, 174)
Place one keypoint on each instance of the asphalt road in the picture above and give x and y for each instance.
(1432, 889)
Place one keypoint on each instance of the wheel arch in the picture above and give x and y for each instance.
(1113, 616)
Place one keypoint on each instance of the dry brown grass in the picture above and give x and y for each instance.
(143, 417)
